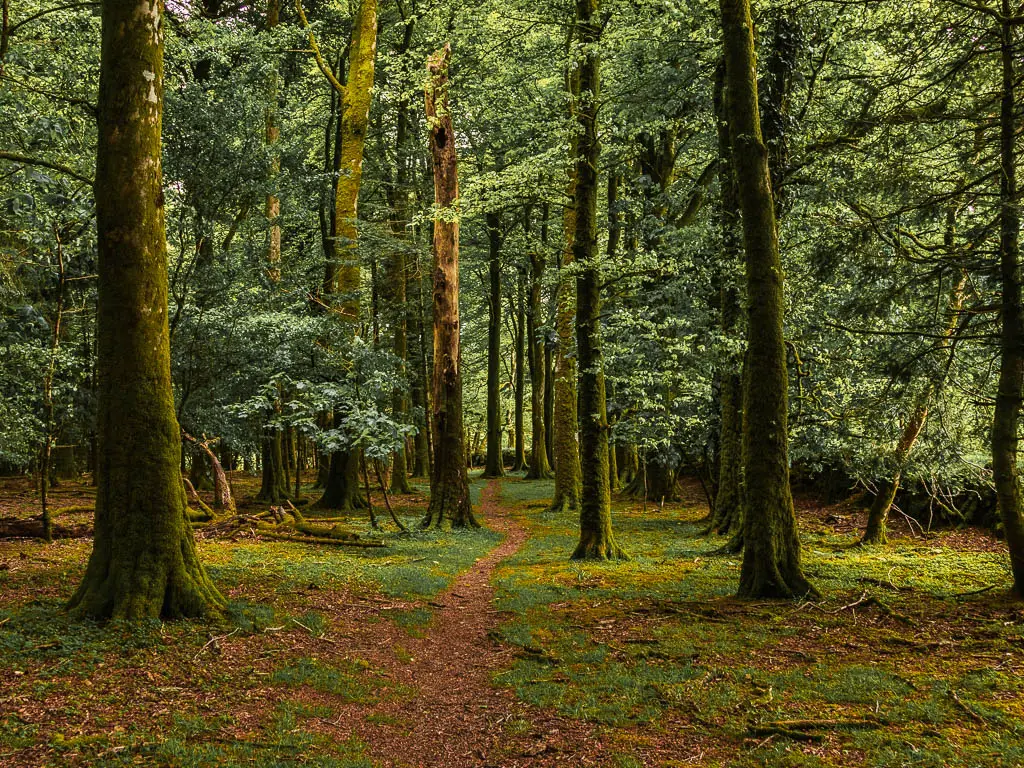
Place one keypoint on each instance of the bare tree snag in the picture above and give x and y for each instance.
(449, 481)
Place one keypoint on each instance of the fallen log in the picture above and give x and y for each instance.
(32, 528)
(366, 544)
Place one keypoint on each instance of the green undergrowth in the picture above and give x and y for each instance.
(416, 565)
(288, 737)
(911, 670)
(231, 692)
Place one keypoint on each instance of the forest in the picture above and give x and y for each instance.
(439, 383)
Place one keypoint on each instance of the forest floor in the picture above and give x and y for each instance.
(490, 648)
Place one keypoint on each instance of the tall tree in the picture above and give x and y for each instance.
(1006, 421)
(596, 540)
(771, 556)
(398, 279)
(564, 421)
(519, 372)
(538, 468)
(343, 273)
(144, 562)
(449, 481)
(728, 504)
(493, 466)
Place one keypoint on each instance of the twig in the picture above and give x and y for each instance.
(213, 641)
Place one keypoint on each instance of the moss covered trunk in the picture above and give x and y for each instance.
(397, 279)
(596, 539)
(273, 134)
(565, 452)
(519, 464)
(274, 475)
(449, 482)
(1011, 365)
(728, 506)
(771, 556)
(493, 466)
(539, 467)
(343, 274)
(144, 562)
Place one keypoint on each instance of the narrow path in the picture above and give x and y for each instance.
(455, 716)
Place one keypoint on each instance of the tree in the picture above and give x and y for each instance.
(449, 481)
(343, 274)
(144, 562)
(596, 540)
(494, 466)
(771, 556)
(564, 422)
(1009, 394)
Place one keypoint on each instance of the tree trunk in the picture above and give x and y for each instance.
(342, 281)
(274, 479)
(520, 373)
(419, 387)
(273, 133)
(728, 507)
(596, 540)
(494, 466)
(449, 482)
(144, 562)
(539, 468)
(565, 451)
(771, 556)
(397, 281)
(1011, 369)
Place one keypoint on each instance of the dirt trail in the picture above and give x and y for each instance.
(455, 716)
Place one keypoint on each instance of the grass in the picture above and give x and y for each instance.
(75, 692)
(660, 640)
(655, 652)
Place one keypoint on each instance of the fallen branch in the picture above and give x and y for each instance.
(323, 540)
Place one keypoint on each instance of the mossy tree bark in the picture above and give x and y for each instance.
(343, 274)
(274, 475)
(728, 512)
(397, 278)
(771, 556)
(538, 468)
(596, 539)
(493, 466)
(418, 361)
(273, 134)
(144, 562)
(1005, 441)
(449, 481)
(519, 464)
(565, 451)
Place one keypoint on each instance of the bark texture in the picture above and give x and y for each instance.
(494, 466)
(144, 562)
(1005, 442)
(565, 452)
(343, 274)
(449, 481)
(596, 539)
(771, 556)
